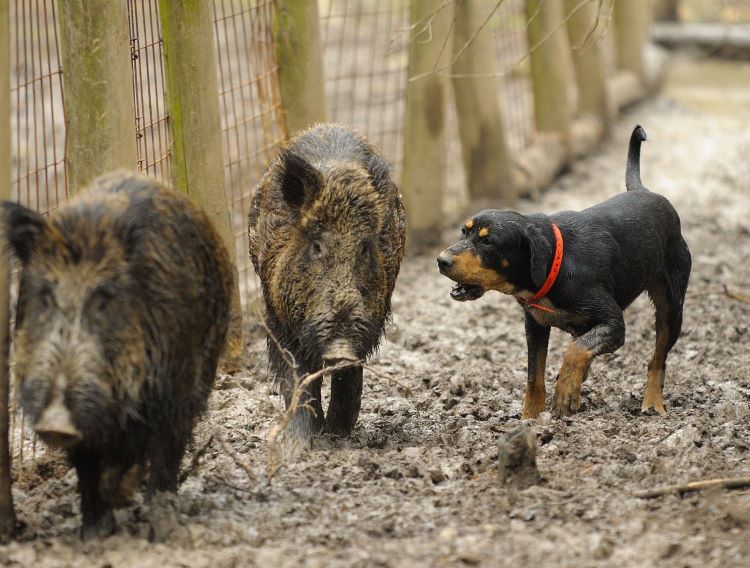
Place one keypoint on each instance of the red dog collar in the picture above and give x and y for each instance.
(551, 277)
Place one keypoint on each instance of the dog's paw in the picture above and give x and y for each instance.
(657, 403)
(567, 399)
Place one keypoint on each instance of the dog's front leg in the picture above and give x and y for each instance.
(605, 337)
(537, 339)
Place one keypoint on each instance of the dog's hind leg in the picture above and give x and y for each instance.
(537, 340)
(668, 296)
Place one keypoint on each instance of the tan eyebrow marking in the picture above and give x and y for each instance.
(484, 231)
(469, 224)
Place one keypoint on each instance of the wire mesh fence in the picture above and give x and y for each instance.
(365, 57)
(37, 121)
(508, 25)
(151, 117)
(252, 120)
(37, 138)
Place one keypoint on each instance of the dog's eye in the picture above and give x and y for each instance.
(464, 231)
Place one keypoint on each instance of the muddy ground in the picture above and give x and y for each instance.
(416, 484)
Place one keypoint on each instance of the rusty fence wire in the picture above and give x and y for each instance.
(151, 117)
(252, 120)
(37, 121)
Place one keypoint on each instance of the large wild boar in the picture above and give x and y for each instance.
(122, 315)
(327, 230)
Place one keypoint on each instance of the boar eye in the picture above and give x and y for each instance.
(317, 250)
(100, 300)
(45, 298)
(365, 247)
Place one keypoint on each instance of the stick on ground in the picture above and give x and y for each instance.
(219, 437)
(725, 483)
(738, 295)
(274, 452)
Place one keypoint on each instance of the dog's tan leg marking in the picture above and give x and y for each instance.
(575, 367)
(534, 397)
(654, 396)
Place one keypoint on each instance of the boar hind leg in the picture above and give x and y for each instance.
(346, 401)
(98, 518)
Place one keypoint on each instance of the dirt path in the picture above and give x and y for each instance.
(416, 483)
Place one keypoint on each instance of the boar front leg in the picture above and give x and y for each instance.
(98, 518)
(308, 418)
(346, 401)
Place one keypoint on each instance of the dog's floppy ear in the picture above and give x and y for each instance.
(540, 255)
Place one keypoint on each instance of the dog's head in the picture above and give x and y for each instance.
(498, 250)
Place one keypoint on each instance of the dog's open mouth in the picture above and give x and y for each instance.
(465, 292)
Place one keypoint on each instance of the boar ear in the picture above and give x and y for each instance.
(22, 228)
(380, 173)
(298, 179)
(540, 255)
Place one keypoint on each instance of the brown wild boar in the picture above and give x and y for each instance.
(122, 314)
(327, 230)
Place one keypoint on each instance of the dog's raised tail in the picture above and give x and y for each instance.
(633, 169)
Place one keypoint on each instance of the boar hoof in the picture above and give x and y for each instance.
(162, 518)
(103, 527)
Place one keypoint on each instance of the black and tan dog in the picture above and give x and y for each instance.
(578, 271)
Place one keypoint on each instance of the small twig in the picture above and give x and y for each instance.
(739, 296)
(274, 460)
(196, 457)
(405, 389)
(227, 447)
(725, 483)
(441, 70)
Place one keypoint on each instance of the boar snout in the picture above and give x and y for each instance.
(340, 351)
(55, 425)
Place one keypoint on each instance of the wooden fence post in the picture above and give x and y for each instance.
(99, 113)
(296, 34)
(424, 123)
(631, 20)
(550, 79)
(666, 11)
(485, 154)
(589, 62)
(196, 157)
(7, 516)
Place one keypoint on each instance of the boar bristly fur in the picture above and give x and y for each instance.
(122, 314)
(327, 232)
